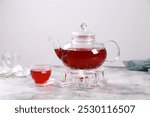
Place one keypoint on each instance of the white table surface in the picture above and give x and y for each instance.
(122, 85)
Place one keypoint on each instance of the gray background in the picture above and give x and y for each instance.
(26, 24)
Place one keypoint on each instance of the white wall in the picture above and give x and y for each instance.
(25, 25)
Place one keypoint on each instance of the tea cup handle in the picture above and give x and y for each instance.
(118, 51)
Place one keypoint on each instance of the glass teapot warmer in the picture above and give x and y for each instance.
(82, 78)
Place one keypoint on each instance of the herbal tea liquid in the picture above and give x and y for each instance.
(40, 76)
(81, 58)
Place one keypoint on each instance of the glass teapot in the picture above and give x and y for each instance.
(83, 57)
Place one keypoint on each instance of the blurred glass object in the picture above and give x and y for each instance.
(11, 66)
(10, 61)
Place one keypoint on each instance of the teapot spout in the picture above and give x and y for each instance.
(56, 46)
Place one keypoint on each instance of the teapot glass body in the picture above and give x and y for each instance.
(82, 55)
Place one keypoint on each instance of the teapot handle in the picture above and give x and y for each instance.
(118, 51)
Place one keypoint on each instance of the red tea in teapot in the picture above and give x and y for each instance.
(82, 58)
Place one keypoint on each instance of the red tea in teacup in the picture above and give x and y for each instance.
(40, 73)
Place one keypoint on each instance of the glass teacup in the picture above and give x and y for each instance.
(40, 74)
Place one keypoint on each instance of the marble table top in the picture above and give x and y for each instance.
(122, 85)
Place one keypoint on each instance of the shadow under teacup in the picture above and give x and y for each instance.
(40, 74)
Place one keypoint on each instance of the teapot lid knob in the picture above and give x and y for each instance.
(84, 26)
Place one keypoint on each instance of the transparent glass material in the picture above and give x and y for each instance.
(40, 74)
(10, 61)
(83, 59)
(11, 66)
(78, 79)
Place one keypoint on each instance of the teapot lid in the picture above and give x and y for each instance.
(83, 35)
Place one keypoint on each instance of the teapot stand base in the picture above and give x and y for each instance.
(83, 78)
